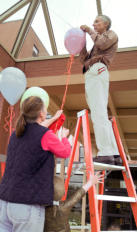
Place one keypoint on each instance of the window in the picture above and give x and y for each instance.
(35, 51)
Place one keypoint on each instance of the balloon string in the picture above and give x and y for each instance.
(12, 115)
(63, 20)
(69, 66)
(8, 127)
(8, 120)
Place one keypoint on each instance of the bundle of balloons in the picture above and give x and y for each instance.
(75, 40)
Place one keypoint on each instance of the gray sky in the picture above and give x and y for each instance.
(66, 14)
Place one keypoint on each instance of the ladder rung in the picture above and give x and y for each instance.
(79, 227)
(101, 166)
(88, 227)
(116, 198)
(97, 166)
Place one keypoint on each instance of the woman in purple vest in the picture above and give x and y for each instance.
(27, 184)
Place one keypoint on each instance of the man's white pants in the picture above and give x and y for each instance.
(97, 88)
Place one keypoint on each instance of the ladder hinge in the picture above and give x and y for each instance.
(81, 113)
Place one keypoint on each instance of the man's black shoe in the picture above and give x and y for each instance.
(105, 159)
(118, 160)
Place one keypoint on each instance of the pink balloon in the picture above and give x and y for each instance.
(75, 40)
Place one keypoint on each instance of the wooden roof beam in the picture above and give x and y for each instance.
(99, 7)
(121, 112)
(49, 27)
(133, 152)
(126, 112)
(25, 27)
(12, 10)
(130, 136)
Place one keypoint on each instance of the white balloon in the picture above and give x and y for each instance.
(12, 84)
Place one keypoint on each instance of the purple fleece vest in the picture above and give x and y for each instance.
(28, 176)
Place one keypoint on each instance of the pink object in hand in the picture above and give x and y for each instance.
(75, 40)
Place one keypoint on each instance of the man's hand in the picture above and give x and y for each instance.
(87, 29)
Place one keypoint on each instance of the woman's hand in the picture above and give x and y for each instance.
(48, 122)
(97, 178)
(64, 133)
(57, 114)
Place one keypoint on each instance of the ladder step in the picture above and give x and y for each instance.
(80, 227)
(89, 227)
(101, 166)
(116, 198)
(97, 167)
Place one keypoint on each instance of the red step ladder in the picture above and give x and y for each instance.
(95, 201)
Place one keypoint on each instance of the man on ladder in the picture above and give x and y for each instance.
(96, 75)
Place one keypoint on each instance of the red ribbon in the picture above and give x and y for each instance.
(8, 127)
(8, 120)
(59, 122)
